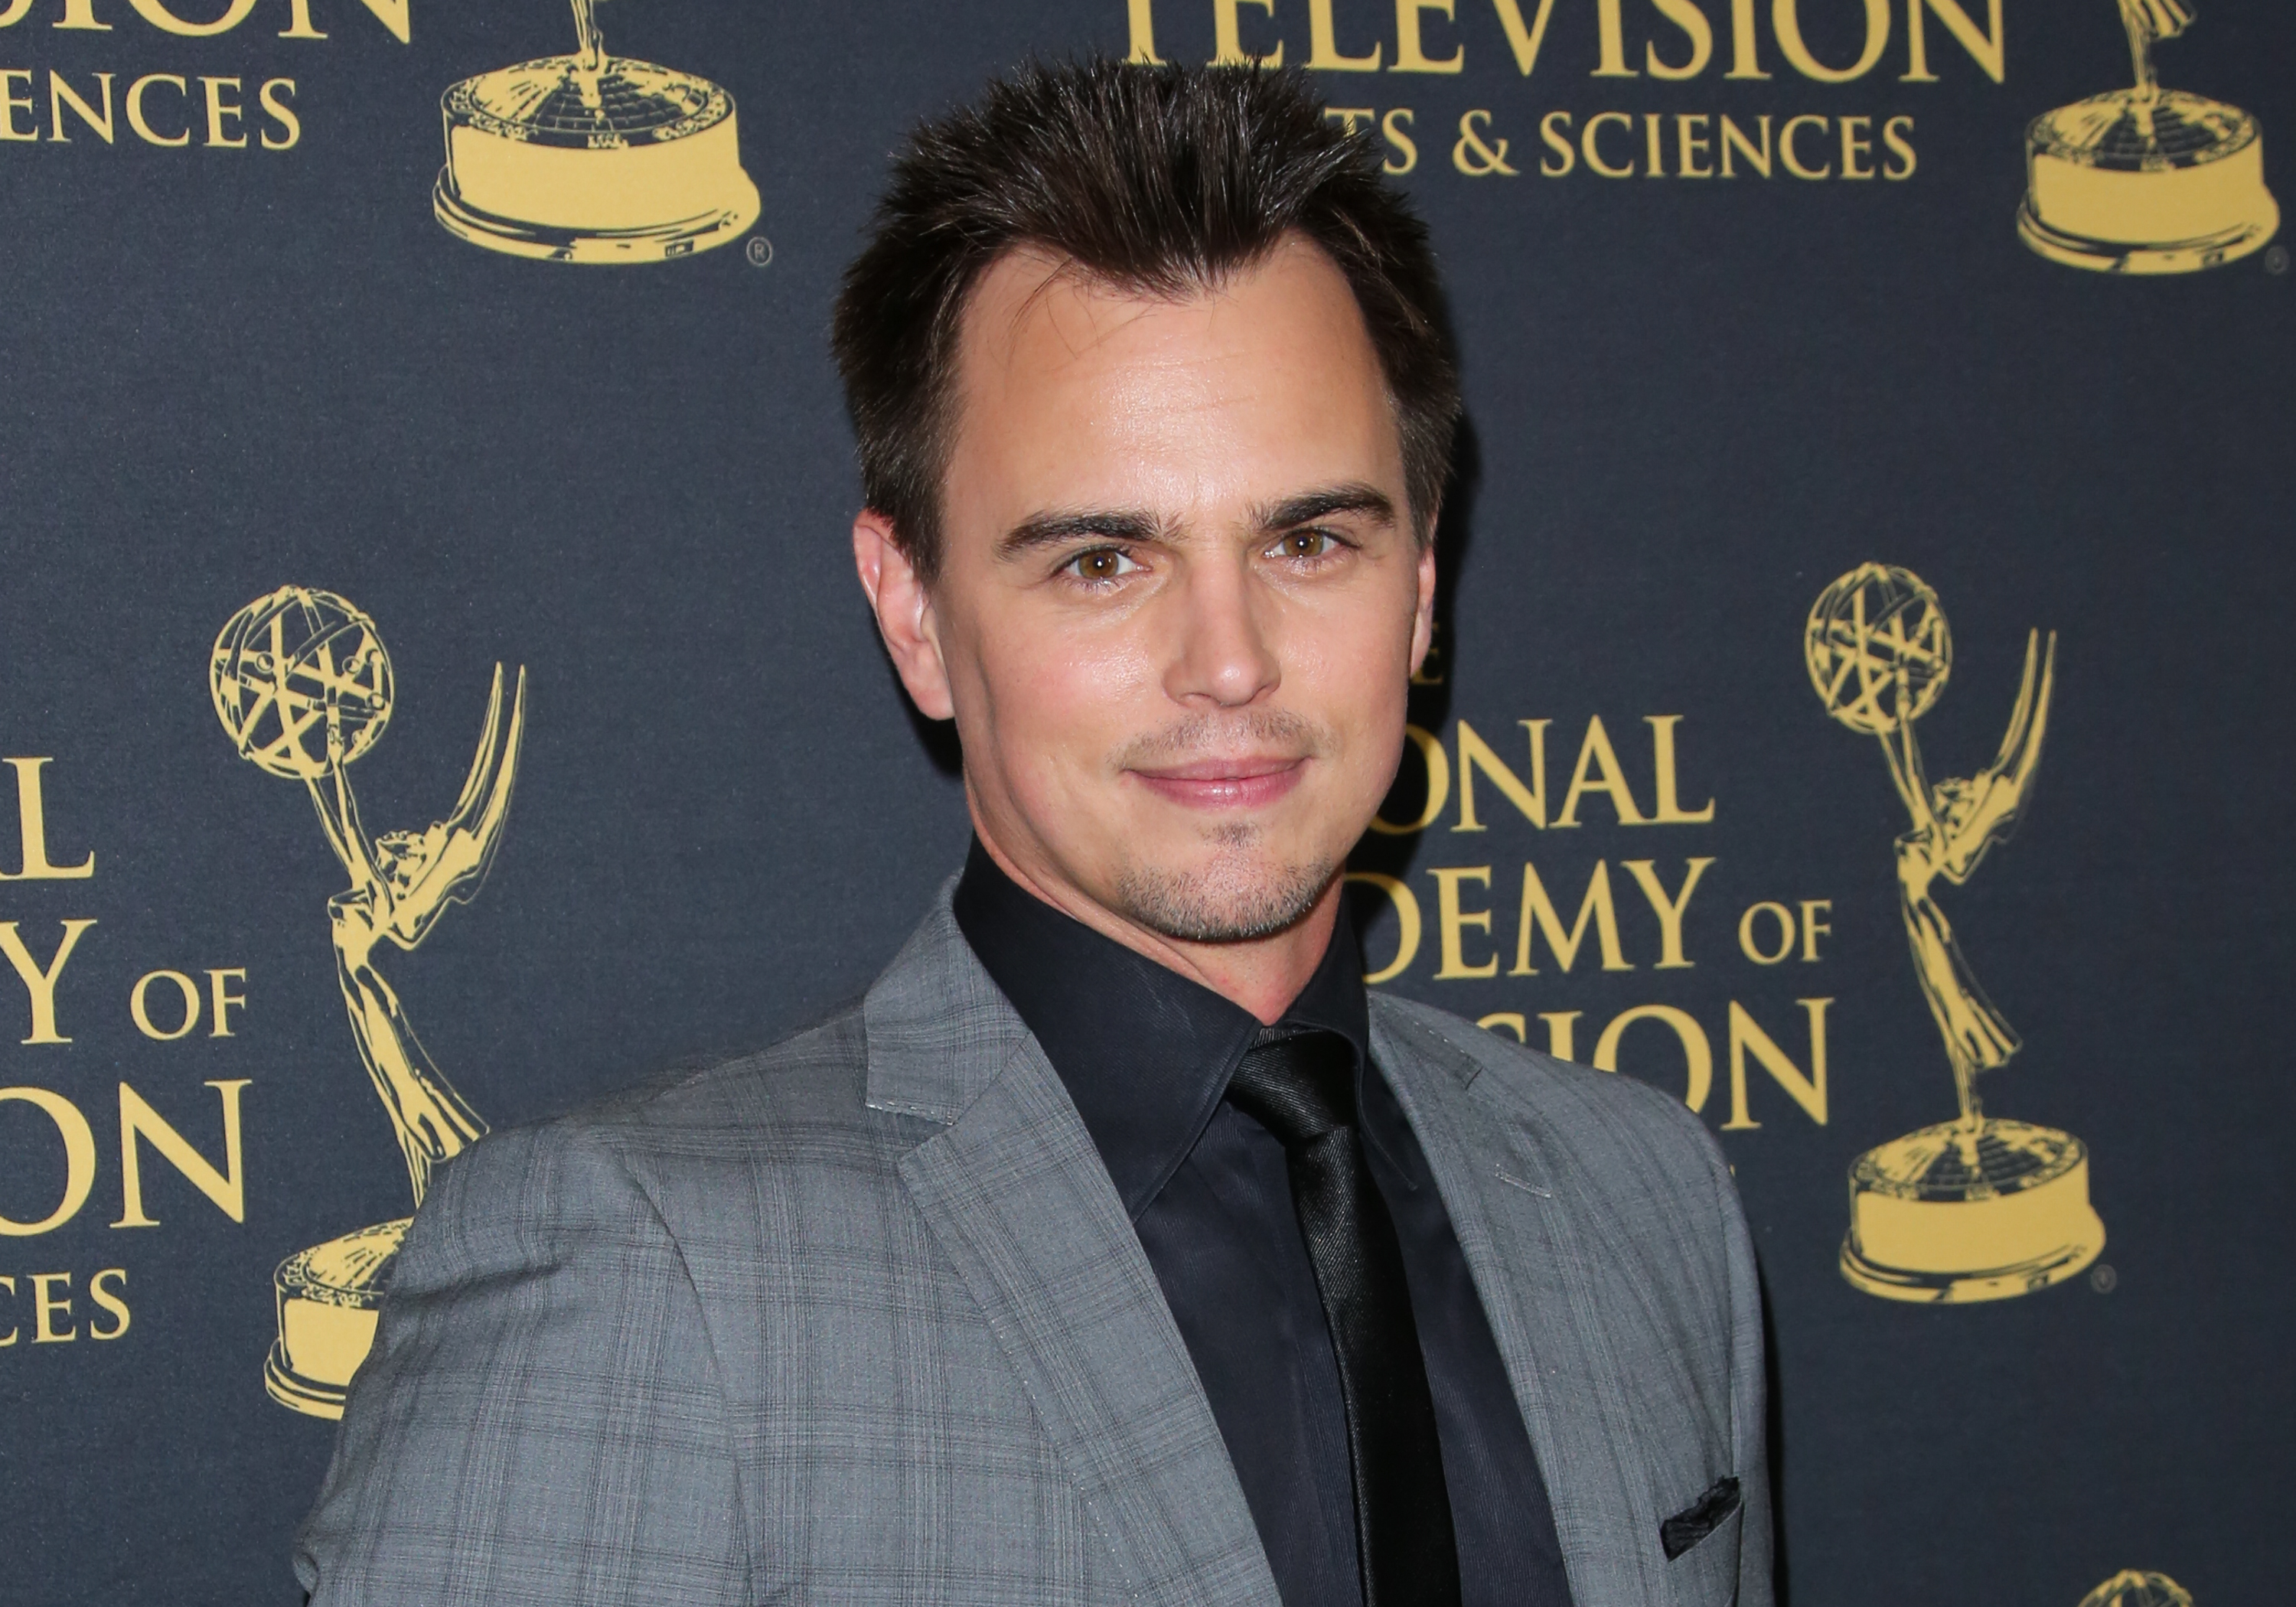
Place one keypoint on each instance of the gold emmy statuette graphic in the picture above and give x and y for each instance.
(2131, 1589)
(1978, 1208)
(593, 157)
(2146, 180)
(303, 688)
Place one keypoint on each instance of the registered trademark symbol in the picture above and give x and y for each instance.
(2103, 1278)
(760, 250)
(2276, 259)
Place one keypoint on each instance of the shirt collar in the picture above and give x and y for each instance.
(1144, 1052)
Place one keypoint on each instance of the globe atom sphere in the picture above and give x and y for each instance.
(1878, 649)
(2131, 1588)
(300, 682)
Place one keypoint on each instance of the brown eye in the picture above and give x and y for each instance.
(1304, 543)
(1101, 563)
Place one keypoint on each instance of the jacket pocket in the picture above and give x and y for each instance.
(1702, 1547)
(1700, 1517)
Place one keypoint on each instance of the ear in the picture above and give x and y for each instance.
(905, 617)
(1422, 624)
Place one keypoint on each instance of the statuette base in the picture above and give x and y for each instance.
(1959, 1213)
(329, 1296)
(652, 243)
(2180, 257)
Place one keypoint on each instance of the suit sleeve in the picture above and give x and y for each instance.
(1749, 1388)
(541, 1419)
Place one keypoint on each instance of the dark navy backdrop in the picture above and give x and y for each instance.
(1693, 405)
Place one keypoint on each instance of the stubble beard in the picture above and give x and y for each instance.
(1239, 897)
(1248, 890)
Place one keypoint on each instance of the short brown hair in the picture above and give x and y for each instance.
(1163, 179)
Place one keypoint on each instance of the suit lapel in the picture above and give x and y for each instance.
(1509, 1188)
(1018, 1199)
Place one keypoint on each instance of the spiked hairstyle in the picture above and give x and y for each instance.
(1163, 180)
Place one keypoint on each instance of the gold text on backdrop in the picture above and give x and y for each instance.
(1979, 1208)
(303, 687)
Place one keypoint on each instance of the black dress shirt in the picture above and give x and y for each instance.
(1146, 1055)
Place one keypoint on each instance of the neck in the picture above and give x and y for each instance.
(1261, 975)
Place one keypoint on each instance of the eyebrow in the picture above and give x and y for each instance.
(1101, 524)
(1053, 528)
(1308, 506)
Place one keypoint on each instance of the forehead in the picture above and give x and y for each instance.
(1073, 391)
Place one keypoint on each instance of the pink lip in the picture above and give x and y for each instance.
(1225, 784)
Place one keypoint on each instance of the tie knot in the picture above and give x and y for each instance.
(1300, 1086)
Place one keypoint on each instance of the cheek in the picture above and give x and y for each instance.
(1376, 744)
(1357, 665)
(1359, 687)
(1059, 702)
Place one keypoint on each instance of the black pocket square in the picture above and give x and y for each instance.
(1703, 1516)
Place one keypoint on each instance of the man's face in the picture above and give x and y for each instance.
(1180, 598)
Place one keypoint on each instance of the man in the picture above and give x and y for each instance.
(1115, 1248)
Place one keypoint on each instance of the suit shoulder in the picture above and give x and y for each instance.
(816, 1071)
(1553, 1091)
(802, 1100)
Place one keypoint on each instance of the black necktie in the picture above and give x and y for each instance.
(1301, 1089)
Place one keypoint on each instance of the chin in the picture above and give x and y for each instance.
(1234, 895)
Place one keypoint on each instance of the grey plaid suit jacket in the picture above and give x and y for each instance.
(861, 1319)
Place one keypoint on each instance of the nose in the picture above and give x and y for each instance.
(1221, 650)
